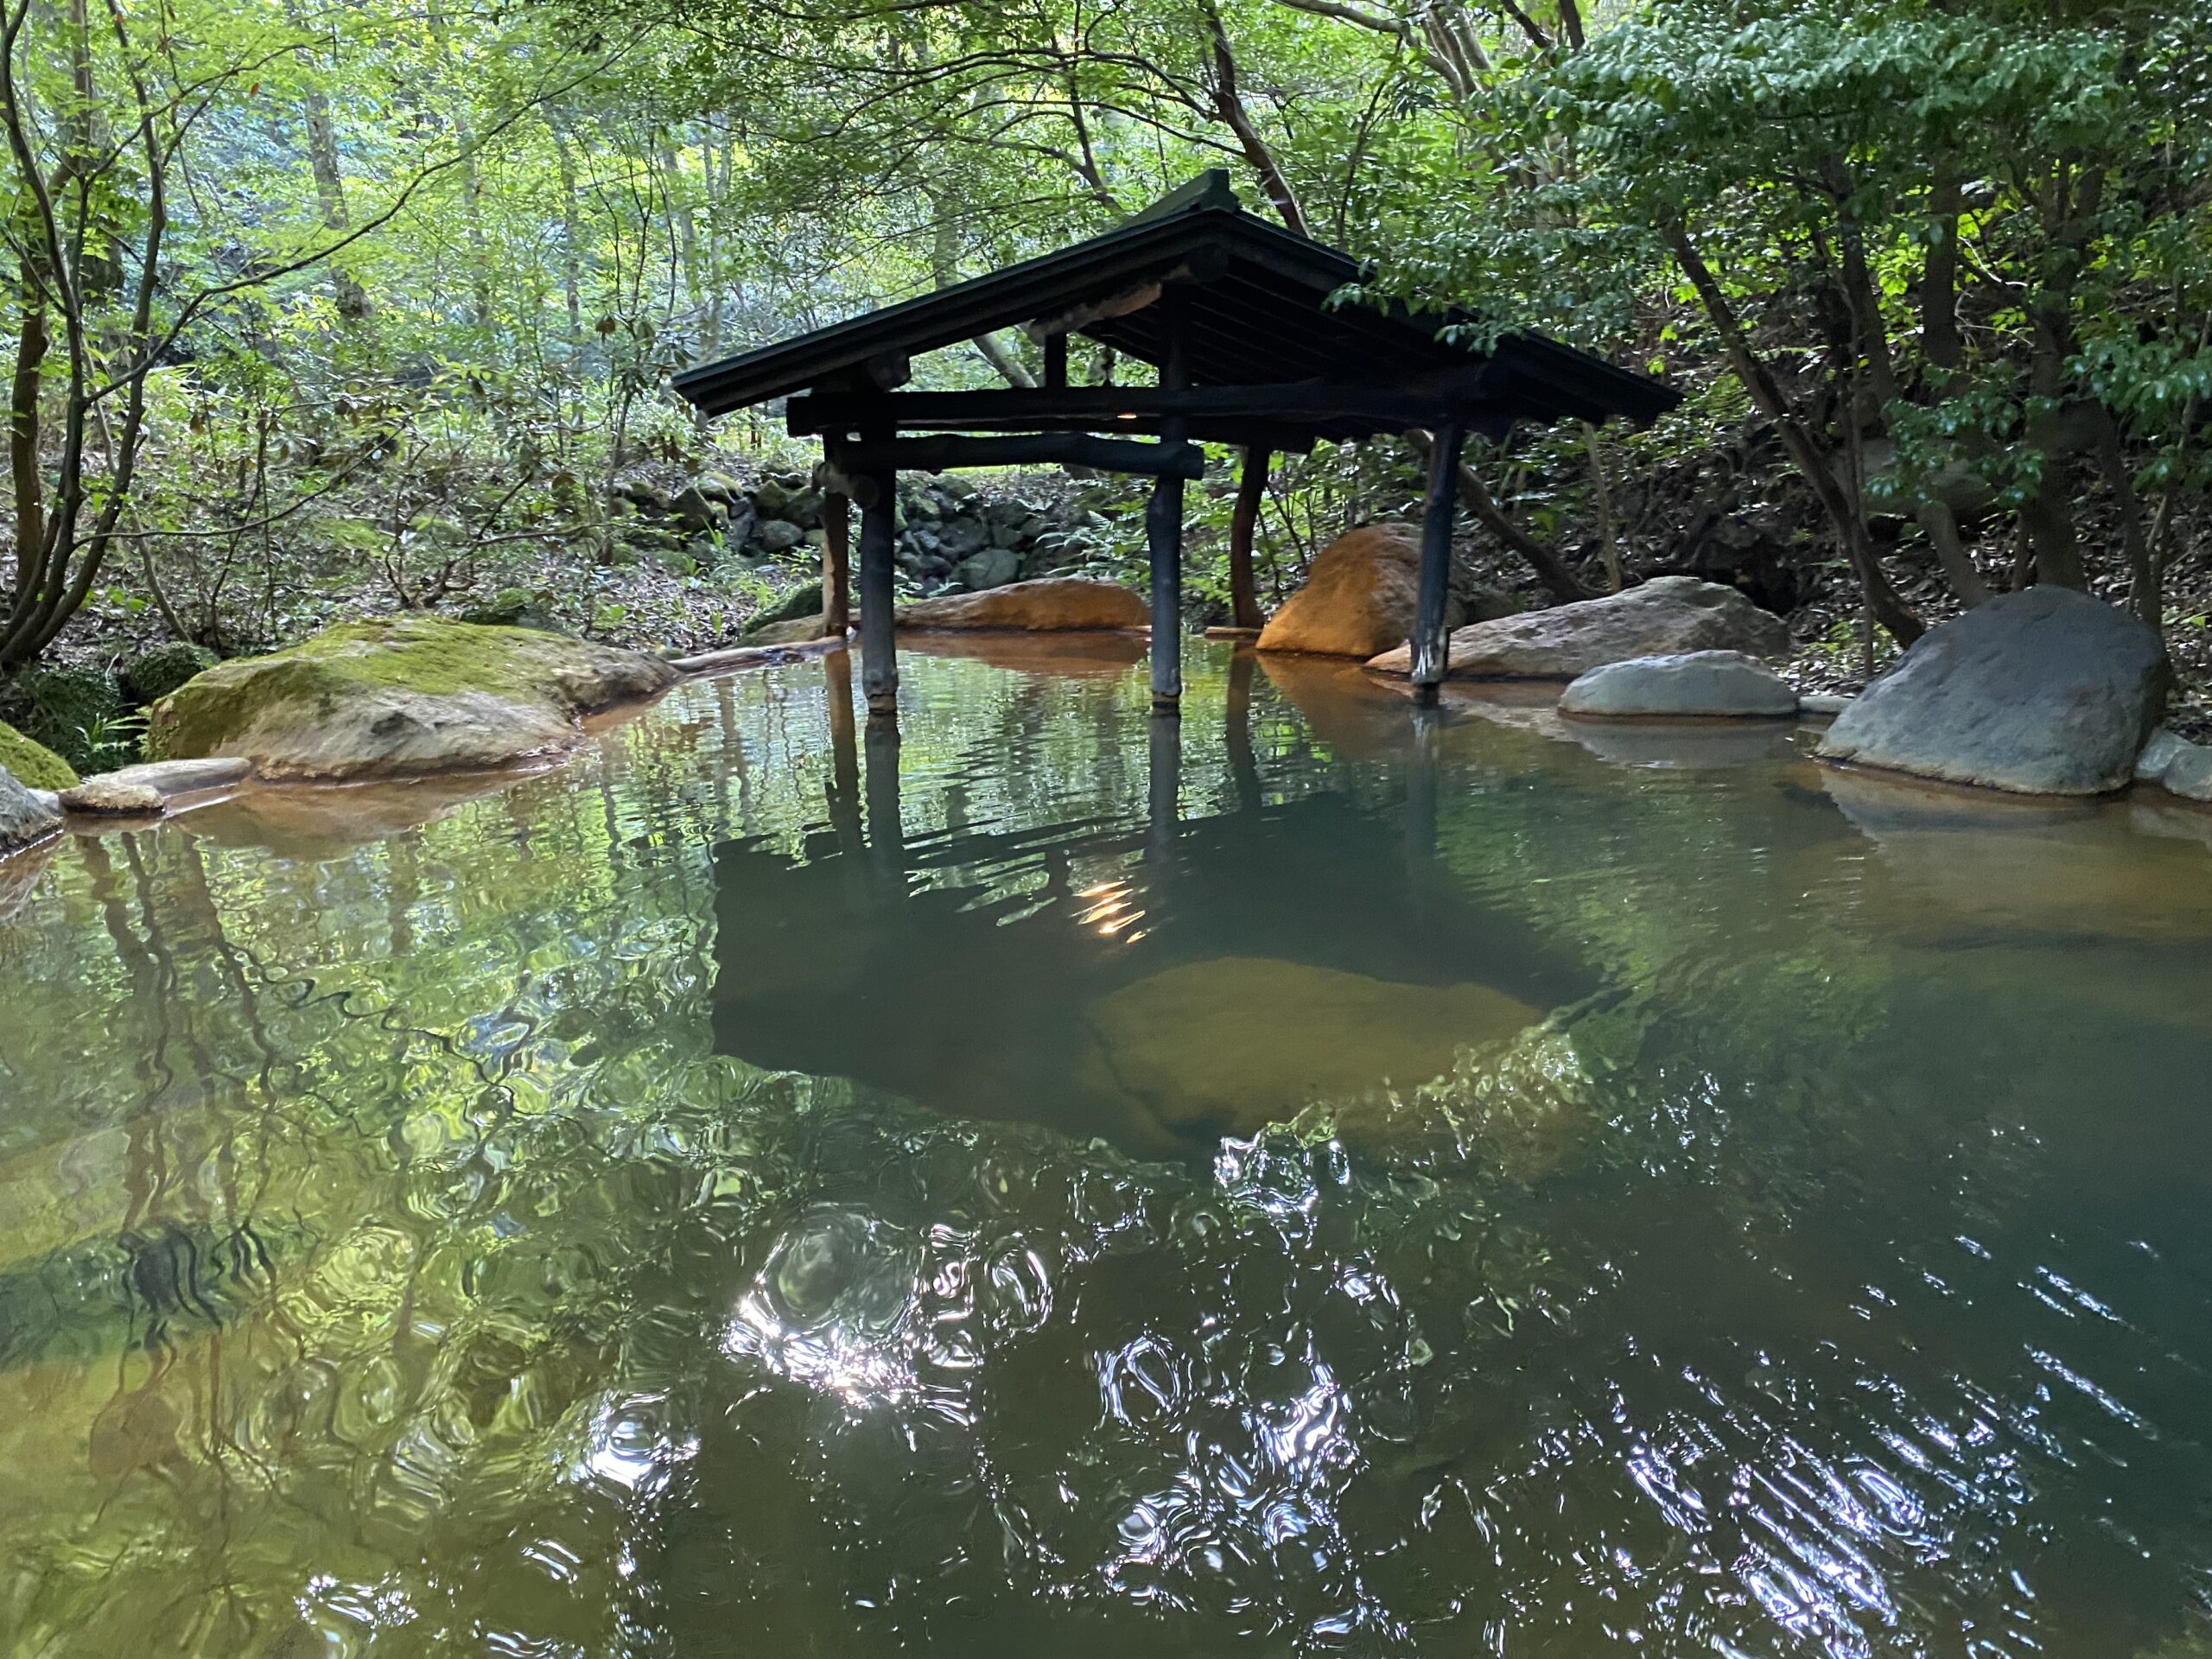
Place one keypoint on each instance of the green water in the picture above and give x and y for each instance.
(760, 1189)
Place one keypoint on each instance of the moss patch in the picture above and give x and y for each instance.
(427, 655)
(33, 764)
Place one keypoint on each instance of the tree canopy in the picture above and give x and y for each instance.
(1938, 275)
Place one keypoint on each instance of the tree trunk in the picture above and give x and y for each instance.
(23, 436)
(330, 196)
(1601, 496)
(1551, 571)
(1251, 485)
(2144, 594)
(944, 270)
(1229, 104)
(1812, 460)
(1939, 278)
(2068, 208)
(571, 236)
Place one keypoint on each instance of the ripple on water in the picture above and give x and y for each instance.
(390, 1264)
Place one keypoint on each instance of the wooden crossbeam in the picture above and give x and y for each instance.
(1103, 408)
(938, 454)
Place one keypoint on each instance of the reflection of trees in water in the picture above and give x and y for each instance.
(556, 1328)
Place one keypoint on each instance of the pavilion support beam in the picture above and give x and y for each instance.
(1055, 361)
(940, 453)
(886, 839)
(1134, 408)
(1430, 643)
(1163, 518)
(1164, 788)
(836, 564)
(843, 786)
(1243, 523)
(879, 636)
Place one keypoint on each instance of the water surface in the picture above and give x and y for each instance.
(1307, 1179)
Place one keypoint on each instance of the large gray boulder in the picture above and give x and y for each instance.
(1665, 615)
(2046, 692)
(1708, 684)
(26, 815)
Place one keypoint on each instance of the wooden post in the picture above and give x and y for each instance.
(1422, 768)
(844, 781)
(1163, 521)
(1251, 485)
(1236, 731)
(836, 564)
(1427, 882)
(878, 646)
(886, 837)
(1056, 361)
(1164, 787)
(1431, 645)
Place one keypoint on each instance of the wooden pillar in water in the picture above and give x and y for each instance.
(1430, 644)
(836, 564)
(879, 638)
(1236, 730)
(886, 837)
(1163, 521)
(1164, 788)
(844, 781)
(1243, 523)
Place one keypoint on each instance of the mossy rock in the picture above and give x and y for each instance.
(32, 763)
(805, 600)
(400, 696)
(152, 674)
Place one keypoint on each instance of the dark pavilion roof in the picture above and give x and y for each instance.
(1256, 300)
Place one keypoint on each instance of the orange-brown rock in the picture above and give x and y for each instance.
(1359, 597)
(1048, 604)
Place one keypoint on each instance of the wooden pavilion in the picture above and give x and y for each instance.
(1239, 317)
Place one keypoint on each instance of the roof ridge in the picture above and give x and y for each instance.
(1210, 190)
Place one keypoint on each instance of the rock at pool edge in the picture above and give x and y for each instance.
(2045, 692)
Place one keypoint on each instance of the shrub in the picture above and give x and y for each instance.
(152, 676)
(77, 713)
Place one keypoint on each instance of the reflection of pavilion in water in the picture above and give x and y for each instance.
(960, 970)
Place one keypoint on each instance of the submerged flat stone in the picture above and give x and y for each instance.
(2045, 692)
(149, 787)
(1238, 1042)
(110, 796)
(1712, 685)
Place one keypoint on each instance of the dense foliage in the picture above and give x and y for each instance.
(363, 306)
